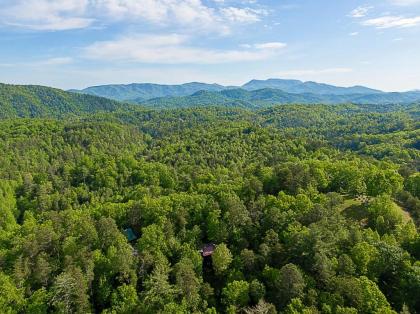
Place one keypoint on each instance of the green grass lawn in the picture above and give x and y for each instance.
(353, 208)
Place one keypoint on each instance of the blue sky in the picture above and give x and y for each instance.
(79, 43)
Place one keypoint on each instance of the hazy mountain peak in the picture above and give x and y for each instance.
(136, 92)
(298, 87)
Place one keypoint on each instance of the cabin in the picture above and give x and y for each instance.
(130, 235)
(207, 250)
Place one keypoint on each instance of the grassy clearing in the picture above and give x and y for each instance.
(405, 214)
(355, 209)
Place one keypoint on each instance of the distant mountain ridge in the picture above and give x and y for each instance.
(299, 87)
(138, 92)
(144, 91)
(29, 101)
(269, 96)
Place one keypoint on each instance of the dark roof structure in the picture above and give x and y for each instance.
(207, 250)
(129, 234)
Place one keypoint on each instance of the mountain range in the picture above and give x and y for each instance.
(255, 93)
(29, 101)
(268, 97)
(140, 92)
(137, 92)
(299, 87)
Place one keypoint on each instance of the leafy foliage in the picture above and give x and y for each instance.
(39, 101)
(313, 209)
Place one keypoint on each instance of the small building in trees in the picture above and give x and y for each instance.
(130, 235)
(207, 250)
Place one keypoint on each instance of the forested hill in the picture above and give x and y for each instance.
(306, 209)
(39, 101)
(268, 97)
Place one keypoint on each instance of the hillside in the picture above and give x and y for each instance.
(266, 97)
(109, 212)
(198, 99)
(39, 101)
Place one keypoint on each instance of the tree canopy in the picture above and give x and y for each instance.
(312, 209)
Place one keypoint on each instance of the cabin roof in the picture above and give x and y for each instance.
(208, 249)
(129, 234)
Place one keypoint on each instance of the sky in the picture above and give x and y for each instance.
(79, 43)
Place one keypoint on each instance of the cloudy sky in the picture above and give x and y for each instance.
(79, 43)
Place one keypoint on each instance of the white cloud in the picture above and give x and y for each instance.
(150, 10)
(46, 15)
(57, 15)
(392, 22)
(174, 49)
(405, 2)
(54, 61)
(360, 12)
(41, 62)
(159, 11)
(181, 12)
(242, 15)
(54, 24)
(271, 45)
(354, 34)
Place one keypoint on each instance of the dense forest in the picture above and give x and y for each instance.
(30, 101)
(305, 208)
(268, 97)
